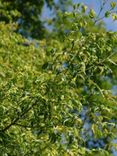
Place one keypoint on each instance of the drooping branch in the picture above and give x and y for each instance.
(20, 116)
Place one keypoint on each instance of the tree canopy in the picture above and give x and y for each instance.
(56, 93)
(27, 13)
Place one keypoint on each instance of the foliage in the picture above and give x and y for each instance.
(27, 13)
(50, 89)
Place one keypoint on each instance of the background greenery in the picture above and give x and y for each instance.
(56, 90)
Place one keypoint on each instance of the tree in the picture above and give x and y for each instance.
(51, 89)
(27, 13)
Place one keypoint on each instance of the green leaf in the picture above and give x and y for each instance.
(92, 13)
(45, 65)
(78, 5)
(111, 61)
(97, 133)
(107, 14)
(114, 17)
(113, 5)
(84, 8)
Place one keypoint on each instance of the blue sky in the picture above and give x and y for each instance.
(95, 4)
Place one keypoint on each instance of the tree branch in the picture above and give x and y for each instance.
(20, 116)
